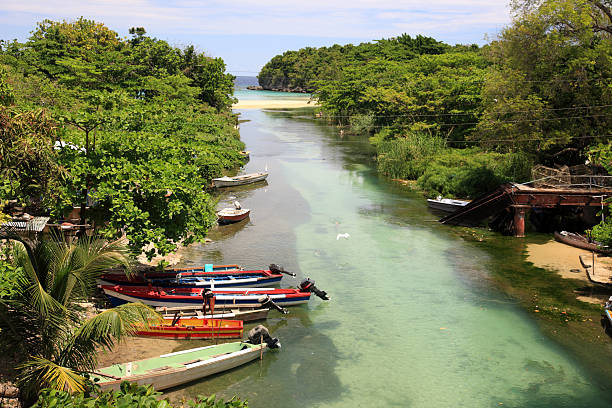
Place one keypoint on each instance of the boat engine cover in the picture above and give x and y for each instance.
(260, 334)
(308, 285)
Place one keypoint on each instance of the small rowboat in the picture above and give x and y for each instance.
(239, 180)
(578, 241)
(170, 370)
(224, 299)
(232, 215)
(170, 273)
(193, 328)
(195, 312)
(446, 204)
(201, 280)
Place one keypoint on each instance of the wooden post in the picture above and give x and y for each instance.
(519, 220)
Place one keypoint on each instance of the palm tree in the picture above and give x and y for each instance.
(45, 323)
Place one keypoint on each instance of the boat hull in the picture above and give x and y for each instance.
(239, 180)
(224, 219)
(119, 296)
(194, 328)
(446, 205)
(168, 313)
(164, 378)
(580, 242)
(248, 281)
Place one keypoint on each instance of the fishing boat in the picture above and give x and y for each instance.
(578, 241)
(448, 205)
(230, 279)
(237, 298)
(187, 328)
(232, 215)
(170, 370)
(141, 277)
(239, 180)
(195, 312)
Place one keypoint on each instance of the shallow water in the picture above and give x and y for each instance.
(412, 321)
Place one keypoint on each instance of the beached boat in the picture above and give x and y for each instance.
(193, 328)
(230, 279)
(232, 215)
(578, 241)
(143, 276)
(170, 370)
(239, 180)
(195, 312)
(446, 204)
(237, 298)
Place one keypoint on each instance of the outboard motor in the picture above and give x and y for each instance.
(308, 285)
(279, 269)
(259, 334)
(266, 302)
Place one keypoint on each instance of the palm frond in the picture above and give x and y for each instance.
(103, 330)
(38, 373)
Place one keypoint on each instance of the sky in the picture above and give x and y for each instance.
(247, 33)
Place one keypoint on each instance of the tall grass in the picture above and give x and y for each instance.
(440, 170)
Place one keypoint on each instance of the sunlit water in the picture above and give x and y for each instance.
(412, 321)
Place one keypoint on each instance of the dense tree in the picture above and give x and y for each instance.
(141, 128)
(548, 91)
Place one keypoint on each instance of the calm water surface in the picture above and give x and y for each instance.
(412, 321)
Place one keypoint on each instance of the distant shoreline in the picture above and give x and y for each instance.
(274, 104)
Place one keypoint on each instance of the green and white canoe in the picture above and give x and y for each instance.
(179, 368)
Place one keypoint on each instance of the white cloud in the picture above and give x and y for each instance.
(314, 18)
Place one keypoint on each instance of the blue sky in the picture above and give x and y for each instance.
(247, 33)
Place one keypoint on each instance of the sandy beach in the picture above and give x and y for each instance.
(274, 104)
(564, 260)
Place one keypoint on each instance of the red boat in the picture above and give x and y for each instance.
(220, 279)
(224, 298)
(194, 328)
(232, 215)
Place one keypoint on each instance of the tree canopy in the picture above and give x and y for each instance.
(134, 128)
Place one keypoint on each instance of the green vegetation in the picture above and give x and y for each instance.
(130, 395)
(132, 128)
(42, 318)
(539, 93)
(602, 155)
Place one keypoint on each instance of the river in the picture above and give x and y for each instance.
(412, 320)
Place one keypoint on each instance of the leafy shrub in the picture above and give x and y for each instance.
(130, 396)
(470, 172)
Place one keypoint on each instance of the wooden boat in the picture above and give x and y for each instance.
(224, 298)
(232, 215)
(446, 204)
(195, 312)
(229, 279)
(193, 328)
(142, 277)
(578, 241)
(170, 370)
(239, 180)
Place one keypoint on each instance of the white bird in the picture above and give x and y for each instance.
(346, 235)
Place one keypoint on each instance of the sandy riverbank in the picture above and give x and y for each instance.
(274, 104)
(564, 260)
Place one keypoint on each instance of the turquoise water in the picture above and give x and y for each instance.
(412, 321)
(246, 95)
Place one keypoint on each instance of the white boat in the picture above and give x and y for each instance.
(232, 215)
(170, 370)
(446, 204)
(239, 180)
